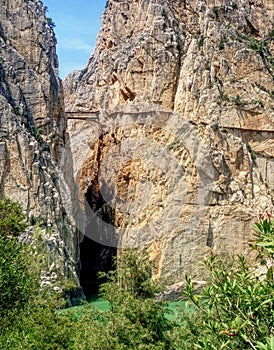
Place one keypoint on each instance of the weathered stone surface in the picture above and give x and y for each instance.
(35, 157)
(209, 60)
(180, 145)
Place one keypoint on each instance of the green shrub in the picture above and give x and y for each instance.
(258, 45)
(18, 283)
(28, 317)
(51, 23)
(12, 219)
(234, 6)
(82, 73)
(264, 243)
(252, 153)
(236, 309)
(16, 110)
(133, 274)
(37, 133)
(136, 320)
(201, 41)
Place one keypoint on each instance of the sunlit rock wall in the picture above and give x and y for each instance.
(179, 139)
(35, 157)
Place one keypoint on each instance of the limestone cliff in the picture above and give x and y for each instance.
(176, 149)
(35, 157)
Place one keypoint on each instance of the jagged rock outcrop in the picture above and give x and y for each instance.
(35, 156)
(178, 148)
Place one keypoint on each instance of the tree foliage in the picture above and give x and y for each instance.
(234, 311)
(18, 282)
(28, 313)
(135, 320)
(12, 219)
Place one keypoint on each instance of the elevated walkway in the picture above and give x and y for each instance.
(82, 115)
(94, 115)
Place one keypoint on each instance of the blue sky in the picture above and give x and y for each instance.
(77, 26)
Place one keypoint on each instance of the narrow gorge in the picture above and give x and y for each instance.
(164, 142)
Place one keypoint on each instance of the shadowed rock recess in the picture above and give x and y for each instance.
(172, 128)
(35, 157)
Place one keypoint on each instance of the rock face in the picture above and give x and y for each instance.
(173, 127)
(35, 157)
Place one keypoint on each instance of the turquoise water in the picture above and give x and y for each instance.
(100, 304)
(174, 308)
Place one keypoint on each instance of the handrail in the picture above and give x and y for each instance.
(84, 115)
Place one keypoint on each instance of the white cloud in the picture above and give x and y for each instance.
(68, 68)
(75, 44)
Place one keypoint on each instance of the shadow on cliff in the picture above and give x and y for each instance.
(95, 255)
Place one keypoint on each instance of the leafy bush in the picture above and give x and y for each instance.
(133, 274)
(82, 73)
(135, 321)
(37, 133)
(264, 243)
(18, 283)
(236, 309)
(12, 219)
(28, 313)
(18, 278)
(51, 23)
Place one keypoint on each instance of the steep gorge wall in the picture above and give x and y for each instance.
(35, 156)
(180, 139)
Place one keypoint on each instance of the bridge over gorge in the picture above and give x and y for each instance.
(94, 115)
(82, 115)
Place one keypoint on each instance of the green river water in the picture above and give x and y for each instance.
(173, 307)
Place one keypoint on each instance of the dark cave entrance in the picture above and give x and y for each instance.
(99, 245)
